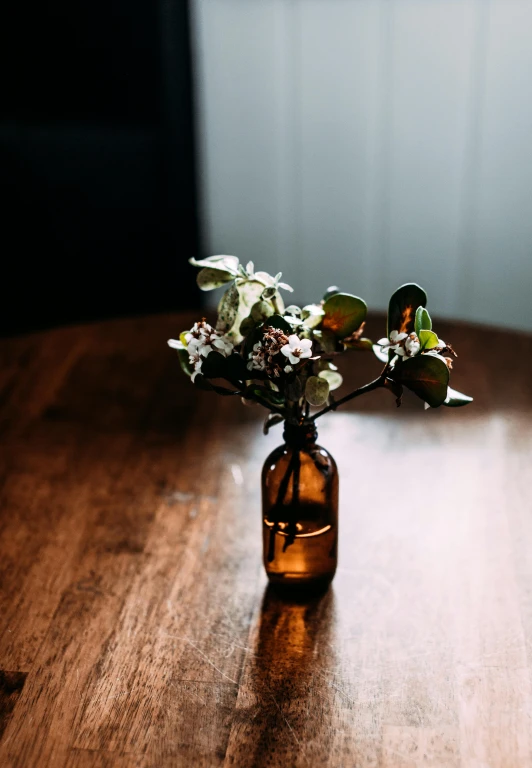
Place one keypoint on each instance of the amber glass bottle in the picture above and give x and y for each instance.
(300, 510)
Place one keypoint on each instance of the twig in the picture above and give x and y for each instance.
(283, 487)
(295, 500)
(361, 391)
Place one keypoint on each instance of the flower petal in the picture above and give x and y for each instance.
(286, 350)
(305, 344)
(293, 340)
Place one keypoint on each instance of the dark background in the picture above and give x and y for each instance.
(97, 155)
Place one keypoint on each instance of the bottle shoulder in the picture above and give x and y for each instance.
(313, 454)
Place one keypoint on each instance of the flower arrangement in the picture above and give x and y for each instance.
(284, 358)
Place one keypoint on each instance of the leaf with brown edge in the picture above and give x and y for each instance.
(344, 313)
(402, 308)
(427, 376)
(362, 343)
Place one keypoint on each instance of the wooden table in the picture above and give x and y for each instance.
(136, 627)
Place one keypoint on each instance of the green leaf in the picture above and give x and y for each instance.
(422, 321)
(361, 343)
(222, 262)
(202, 383)
(312, 315)
(294, 310)
(428, 339)
(427, 376)
(269, 292)
(402, 308)
(257, 391)
(261, 310)
(380, 353)
(183, 357)
(208, 279)
(228, 309)
(326, 365)
(333, 378)
(276, 321)
(294, 388)
(247, 326)
(456, 399)
(214, 366)
(234, 368)
(316, 390)
(326, 339)
(344, 314)
(240, 299)
(394, 387)
(271, 420)
(332, 290)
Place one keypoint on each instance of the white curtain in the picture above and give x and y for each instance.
(366, 143)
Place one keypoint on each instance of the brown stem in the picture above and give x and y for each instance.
(295, 501)
(361, 391)
(281, 493)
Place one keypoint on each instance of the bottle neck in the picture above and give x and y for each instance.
(300, 435)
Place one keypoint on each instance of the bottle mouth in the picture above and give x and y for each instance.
(298, 435)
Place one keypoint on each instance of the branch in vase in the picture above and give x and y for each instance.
(375, 384)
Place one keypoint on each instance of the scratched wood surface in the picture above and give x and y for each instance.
(136, 629)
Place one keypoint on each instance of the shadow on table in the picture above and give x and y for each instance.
(294, 704)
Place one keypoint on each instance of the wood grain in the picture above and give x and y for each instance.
(136, 629)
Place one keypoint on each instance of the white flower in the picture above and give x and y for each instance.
(396, 337)
(394, 342)
(222, 345)
(197, 369)
(288, 369)
(297, 349)
(201, 340)
(403, 344)
(412, 345)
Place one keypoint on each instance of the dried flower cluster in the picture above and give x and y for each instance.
(265, 355)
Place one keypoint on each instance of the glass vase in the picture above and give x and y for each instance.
(300, 510)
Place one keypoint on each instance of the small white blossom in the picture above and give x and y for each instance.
(394, 342)
(396, 337)
(412, 345)
(197, 369)
(222, 345)
(288, 369)
(201, 340)
(403, 344)
(297, 349)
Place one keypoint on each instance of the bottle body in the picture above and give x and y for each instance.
(300, 510)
